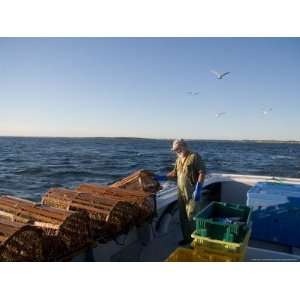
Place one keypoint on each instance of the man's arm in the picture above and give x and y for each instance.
(173, 174)
(201, 176)
(201, 168)
(170, 176)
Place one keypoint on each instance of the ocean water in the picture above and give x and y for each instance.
(30, 166)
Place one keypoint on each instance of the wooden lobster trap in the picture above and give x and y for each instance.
(141, 180)
(20, 242)
(63, 232)
(109, 217)
(145, 202)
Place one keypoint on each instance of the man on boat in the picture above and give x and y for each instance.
(190, 172)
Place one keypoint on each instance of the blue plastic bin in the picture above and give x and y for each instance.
(276, 212)
(264, 194)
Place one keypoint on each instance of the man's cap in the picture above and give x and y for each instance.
(177, 144)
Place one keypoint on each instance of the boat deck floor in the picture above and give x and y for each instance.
(159, 246)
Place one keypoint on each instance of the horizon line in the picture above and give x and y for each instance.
(146, 138)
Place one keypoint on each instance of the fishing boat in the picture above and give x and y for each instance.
(155, 240)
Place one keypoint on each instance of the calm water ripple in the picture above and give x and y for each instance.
(30, 166)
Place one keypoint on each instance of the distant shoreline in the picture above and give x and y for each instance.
(162, 139)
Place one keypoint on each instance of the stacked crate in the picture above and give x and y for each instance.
(222, 234)
(223, 229)
(276, 212)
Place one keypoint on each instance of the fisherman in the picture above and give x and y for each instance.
(189, 171)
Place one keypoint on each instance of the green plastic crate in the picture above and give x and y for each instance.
(207, 224)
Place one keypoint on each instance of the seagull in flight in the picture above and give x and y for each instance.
(193, 93)
(266, 111)
(219, 75)
(220, 114)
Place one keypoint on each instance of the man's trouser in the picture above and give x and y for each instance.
(187, 209)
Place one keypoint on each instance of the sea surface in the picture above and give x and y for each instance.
(30, 166)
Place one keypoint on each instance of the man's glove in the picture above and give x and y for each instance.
(160, 177)
(197, 192)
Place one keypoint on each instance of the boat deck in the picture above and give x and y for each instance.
(130, 248)
(154, 242)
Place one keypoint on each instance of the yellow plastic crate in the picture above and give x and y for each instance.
(221, 245)
(235, 257)
(192, 255)
(236, 251)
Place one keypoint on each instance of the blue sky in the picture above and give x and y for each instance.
(138, 87)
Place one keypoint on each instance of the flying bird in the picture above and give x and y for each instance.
(193, 93)
(219, 75)
(266, 111)
(220, 114)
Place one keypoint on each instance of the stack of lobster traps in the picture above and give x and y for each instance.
(144, 203)
(67, 221)
(63, 232)
(108, 216)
